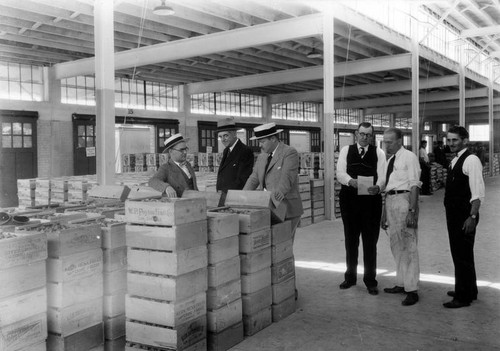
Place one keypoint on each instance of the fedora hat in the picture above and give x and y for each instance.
(265, 130)
(226, 124)
(174, 140)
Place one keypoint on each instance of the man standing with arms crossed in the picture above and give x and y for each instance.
(463, 195)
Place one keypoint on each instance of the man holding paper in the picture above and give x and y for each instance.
(360, 170)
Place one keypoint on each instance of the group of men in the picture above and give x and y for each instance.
(383, 192)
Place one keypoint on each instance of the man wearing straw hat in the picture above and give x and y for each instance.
(176, 175)
(237, 159)
(276, 170)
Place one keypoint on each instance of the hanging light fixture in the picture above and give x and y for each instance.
(314, 54)
(163, 10)
(389, 77)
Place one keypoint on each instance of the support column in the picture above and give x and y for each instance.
(415, 87)
(461, 95)
(491, 122)
(105, 91)
(329, 114)
(267, 110)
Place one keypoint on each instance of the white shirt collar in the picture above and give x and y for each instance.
(272, 153)
(232, 147)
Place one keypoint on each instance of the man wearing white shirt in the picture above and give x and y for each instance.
(463, 195)
(361, 213)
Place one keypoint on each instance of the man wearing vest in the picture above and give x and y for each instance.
(361, 213)
(463, 195)
(176, 175)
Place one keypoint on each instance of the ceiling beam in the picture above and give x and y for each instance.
(479, 32)
(203, 45)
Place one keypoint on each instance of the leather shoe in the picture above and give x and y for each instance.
(395, 290)
(456, 304)
(452, 294)
(346, 285)
(372, 290)
(411, 299)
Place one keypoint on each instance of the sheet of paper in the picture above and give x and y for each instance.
(363, 184)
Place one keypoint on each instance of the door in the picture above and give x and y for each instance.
(18, 153)
(84, 145)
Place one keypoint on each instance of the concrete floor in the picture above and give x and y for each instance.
(328, 318)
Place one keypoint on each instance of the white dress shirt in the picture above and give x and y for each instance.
(184, 168)
(472, 168)
(406, 171)
(344, 178)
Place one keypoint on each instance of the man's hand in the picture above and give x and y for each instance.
(353, 183)
(170, 192)
(278, 195)
(469, 225)
(374, 190)
(412, 220)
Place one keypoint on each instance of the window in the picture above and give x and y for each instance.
(346, 116)
(315, 141)
(479, 132)
(378, 120)
(207, 136)
(86, 136)
(296, 111)
(403, 123)
(227, 104)
(21, 82)
(17, 135)
(427, 125)
(165, 131)
(78, 90)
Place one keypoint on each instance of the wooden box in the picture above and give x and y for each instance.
(180, 338)
(251, 283)
(225, 339)
(255, 241)
(74, 267)
(198, 346)
(114, 259)
(17, 249)
(166, 313)
(115, 344)
(212, 197)
(284, 309)
(74, 318)
(283, 270)
(255, 261)
(223, 294)
(250, 219)
(257, 199)
(113, 234)
(177, 238)
(114, 305)
(222, 225)
(258, 321)
(18, 279)
(166, 287)
(281, 232)
(225, 316)
(282, 251)
(283, 290)
(81, 341)
(165, 211)
(224, 272)
(114, 328)
(223, 249)
(254, 302)
(165, 262)
(115, 281)
(23, 333)
(60, 295)
(304, 222)
(22, 306)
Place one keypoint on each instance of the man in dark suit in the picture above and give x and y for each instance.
(237, 159)
(176, 175)
(276, 170)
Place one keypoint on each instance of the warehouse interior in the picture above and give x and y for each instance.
(88, 85)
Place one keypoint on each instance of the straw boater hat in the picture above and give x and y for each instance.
(226, 124)
(174, 140)
(265, 130)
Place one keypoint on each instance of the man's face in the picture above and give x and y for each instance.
(178, 152)
(392, 144)
(364, 136)
(227, 137)
(456, 143)
(267, 145)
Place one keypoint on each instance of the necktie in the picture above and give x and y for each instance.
(390, 168)
(224, 155)
(362, 153)
(265, 169)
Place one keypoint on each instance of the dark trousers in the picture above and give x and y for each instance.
(462, 252)
(361, 216)
(425, 177)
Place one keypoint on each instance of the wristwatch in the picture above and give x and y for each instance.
(412, 210)
(473, 216)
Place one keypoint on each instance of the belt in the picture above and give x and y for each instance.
(394, 192)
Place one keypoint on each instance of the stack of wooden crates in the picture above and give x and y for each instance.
(167, 274)
(305, 195)
(318, 200)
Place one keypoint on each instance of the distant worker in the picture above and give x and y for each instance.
(237, 159)
(425, 166)
(439, 154)
(176, 175)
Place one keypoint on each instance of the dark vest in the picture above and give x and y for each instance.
(357, 166)
(457, 189)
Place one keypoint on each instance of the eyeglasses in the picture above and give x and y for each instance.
(184, 149)
(365, 135)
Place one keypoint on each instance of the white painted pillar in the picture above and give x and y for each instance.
(105, 91)
(461, 95)
(267, 109)
(415, 87)
(491, 124)
(329, 114)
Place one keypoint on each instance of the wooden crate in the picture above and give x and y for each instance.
(17, 249)
(23, 333)
(225, 316)
(212, 197)
(222, 225)
(74, 267)
(115, 344)
(167, 211)
(72, 319)
(281, 251)
(114, 327)
(258, 321)
(223, 249)
(304, 222)
(223, 272)
(281, 232)
(223, 294)
(283, 290)
(22, 306)
(255, 261)
(114, 305)
(225, 339)
(283, 309)
(255, 241)
(198, 346)
(166, 313)
(167, 288)
(165, 262)
(114, 259)
(176, 238)
(82, 341)
(179, 338)
(257, 199)
(18, 279)
(283, 270)
(254, 302)
(255, 281)
(60, 295)
(113, 234)
(317, 219)
(250, 219)
(115, 281)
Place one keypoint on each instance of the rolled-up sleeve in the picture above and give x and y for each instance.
(342, 175)
(381, 165)
(473, 168)
(413, 170)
